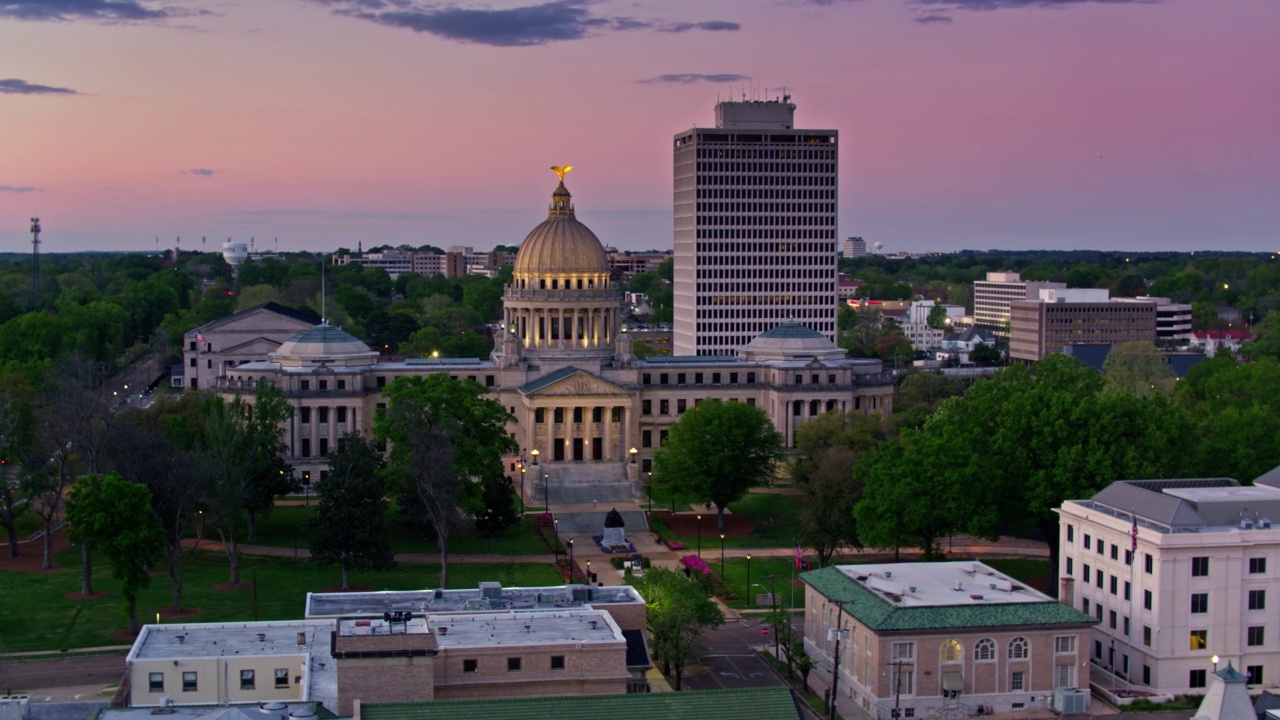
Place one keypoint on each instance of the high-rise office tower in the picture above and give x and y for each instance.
(755, 227)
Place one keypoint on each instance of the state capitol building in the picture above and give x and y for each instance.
(561, 364)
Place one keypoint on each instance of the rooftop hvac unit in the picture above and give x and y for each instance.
(1070, 701)
(15, 707)
(491, 590)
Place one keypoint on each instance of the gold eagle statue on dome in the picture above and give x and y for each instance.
(561, 170)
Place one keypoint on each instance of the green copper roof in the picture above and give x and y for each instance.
(324, 334)
(791, 329)
(880, 615)
(773, 703)
(548, 379)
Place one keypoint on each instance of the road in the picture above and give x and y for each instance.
(729, 658)
(34, 675)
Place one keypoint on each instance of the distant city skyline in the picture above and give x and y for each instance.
(966, 124)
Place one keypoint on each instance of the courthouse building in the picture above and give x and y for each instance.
(564, 367)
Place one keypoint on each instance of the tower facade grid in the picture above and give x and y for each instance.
(754, 228)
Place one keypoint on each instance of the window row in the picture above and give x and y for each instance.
(984, 650)
(191, 680)
(514, 664)
(705, 193)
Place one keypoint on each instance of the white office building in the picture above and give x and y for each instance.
(1198, 587)
(991, 298)
(755, 228)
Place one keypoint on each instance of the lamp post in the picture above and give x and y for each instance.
(649, 489)
(571, 573)
(546, 490)
(588, 578)
(721, 556)
(699, 536)
(522, 469)
(632, 452)
(773, 598)
(555, 527)
(749, 579)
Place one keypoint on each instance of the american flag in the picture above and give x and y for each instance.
(200, 338)
(799, 556)
(1133, 534)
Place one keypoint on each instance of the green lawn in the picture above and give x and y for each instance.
(287, 525)
(777, 520)
(34, 615)
(1027, 570)
(735, 573)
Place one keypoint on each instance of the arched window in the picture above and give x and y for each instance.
(1019, 649)
(984, 649)
(952, 651)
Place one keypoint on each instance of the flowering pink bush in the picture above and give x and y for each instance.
(693, 562)
(675, 545)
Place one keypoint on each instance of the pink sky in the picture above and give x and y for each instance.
(1011, 124)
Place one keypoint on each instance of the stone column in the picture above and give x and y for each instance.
(606, 418)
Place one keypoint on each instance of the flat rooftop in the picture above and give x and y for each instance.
(310, 638)
(330, 605)
(517, 629)
(246, 711)
(941, 584)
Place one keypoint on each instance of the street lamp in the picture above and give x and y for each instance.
(699, 536)
(571, 574)
(546, 490)
(632, 452)
(749, 579)
(555, 526)
(534, 453)
(588, 578)
(721, 556)
(649, 489)
(522, 470)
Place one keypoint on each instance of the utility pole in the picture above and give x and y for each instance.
(773, 597)
(835, 667)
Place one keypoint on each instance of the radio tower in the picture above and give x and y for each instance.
(35, 255)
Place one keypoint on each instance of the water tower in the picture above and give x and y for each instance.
(235, 254)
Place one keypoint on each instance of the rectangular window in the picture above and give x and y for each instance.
(306, 447)
(282, 678)
(1257, 566)
(1102, 546)
(1146, 675)
(646, 438)
(155, 682)
(577, 414)
(324, 384)
(733, 378)
(1128, 557)
(557, 662)
(304, 416)
(1146, 635)
(1257, 636)
(1087, 575)
(597, 414)
(1071, 533)
(697, 378)
(662, 437)
(662, 379)
(664, 407)
(1126, 627)
(380, 382)
(538, 415)
(1088, 541)
(1064, 676)
(1063, 644)
(681, 406)
(557, 416)
(680, 378)
(247, 680)
(715, 378)
(1084, 605)
(342, 414)
(342, 384)
(322, 415)
(646, 407)
(1254, 672)
(1017, 681)
(1199, 567)
(1070, 569)
(904, 651)
(1257, 599)
(1199, 639)
(1115, 584)
(1148, 563)
(647, 379)
(751, 378)
(1098, 579)
(902, 681)
(324, 447)
(1197, 678)
(513, 664)
(489, 381)
(1127, 589)
(1199, 603)
(1115, 552)
(1097, 611)
(189, 682)
(193, 362)
(1113, 620)
(1146, 599)
(306, 384)
(470, 666)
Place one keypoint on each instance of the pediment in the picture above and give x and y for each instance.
(259, 345)
(573, 382)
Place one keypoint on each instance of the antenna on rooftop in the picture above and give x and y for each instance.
(35, 255)
(323, 320)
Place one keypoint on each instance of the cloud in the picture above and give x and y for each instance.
(554, 21)
(202, 172)
(933, 19)
(18, 189)
(1007, 4)
(14, 86)
(96, 10)
(687, 78)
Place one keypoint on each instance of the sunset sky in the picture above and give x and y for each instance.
(1111, 124)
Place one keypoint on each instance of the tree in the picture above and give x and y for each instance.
(12, 419)
(114, 515)
(1236, 408)
(716, 452)
(904, 501)
(242, 444)
(1139, 368)
(853, 430)
(349, 531)
(831, 492)
(444, 435)
(497, 509)
(984, 355)
(155, 447)
(937, 318)
(1267, 343)
(677, 612)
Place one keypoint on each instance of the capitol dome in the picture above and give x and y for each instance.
(323, 344)
(561, 245)
(791, 341)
